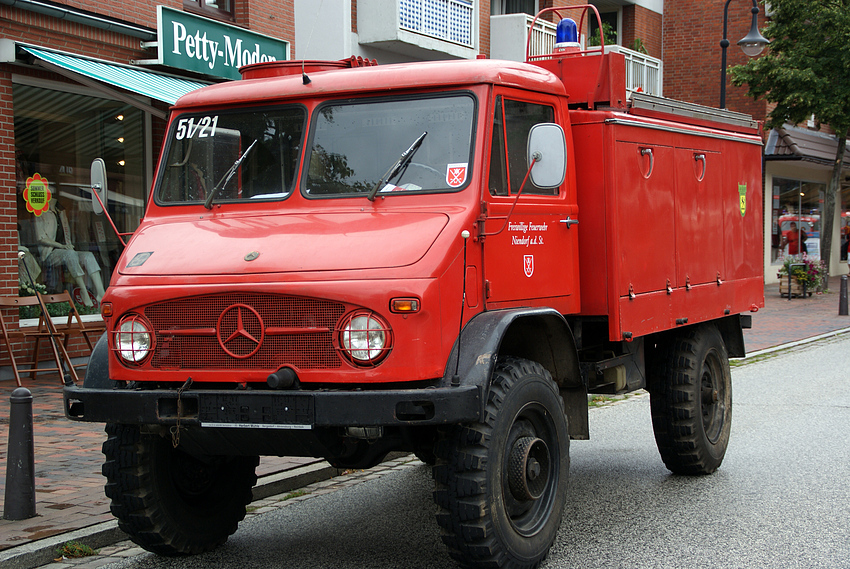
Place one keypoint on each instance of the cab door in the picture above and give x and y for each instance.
(530, 237)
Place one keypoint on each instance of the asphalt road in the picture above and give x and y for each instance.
(781, 499)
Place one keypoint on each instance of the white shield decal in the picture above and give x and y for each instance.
(528, 265)
(456, 175)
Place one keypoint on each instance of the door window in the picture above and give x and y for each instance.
(512, 121)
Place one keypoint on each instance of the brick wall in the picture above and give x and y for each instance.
(691, 53)
(484, 27)
(38, 29)
(8, 209)
(139, 12)
(645, 25)
(270, 17)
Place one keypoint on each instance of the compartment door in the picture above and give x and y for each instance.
(699, 217)
(645, 218)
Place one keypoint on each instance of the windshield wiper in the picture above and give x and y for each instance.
(227, 175)
(399, 164)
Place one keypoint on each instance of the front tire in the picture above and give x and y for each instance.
(501, 485)
(169, 502)
(691, 400)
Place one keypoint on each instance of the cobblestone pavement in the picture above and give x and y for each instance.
(783, 321)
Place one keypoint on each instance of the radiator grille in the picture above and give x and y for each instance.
(244, 331)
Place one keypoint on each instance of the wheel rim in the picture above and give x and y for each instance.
(192, 479)
(713, 397)
(530, 470)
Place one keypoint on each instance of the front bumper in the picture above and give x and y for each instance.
(275, 409)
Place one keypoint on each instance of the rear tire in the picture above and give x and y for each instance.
(169, 502)
(691, 400)
(501, 485)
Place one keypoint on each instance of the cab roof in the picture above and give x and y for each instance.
(378, 79)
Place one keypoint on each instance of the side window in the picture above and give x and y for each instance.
(498, 180)
(512, 120)
(218, 9)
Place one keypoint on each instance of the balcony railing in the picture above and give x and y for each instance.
(508, 35)
(643, 73)
(542, 36)
(448, 20)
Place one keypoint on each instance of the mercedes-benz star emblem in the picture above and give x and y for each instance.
(240, 331)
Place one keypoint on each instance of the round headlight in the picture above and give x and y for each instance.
(133, 339)
(365, 338)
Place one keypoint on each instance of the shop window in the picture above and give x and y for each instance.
(57, 136)
(796, 208)
(220, 9)
(610, 25)
(498, 7)
(508, 150)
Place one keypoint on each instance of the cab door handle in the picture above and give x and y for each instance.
(569, 221)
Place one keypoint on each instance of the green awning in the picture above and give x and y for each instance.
(157, 86)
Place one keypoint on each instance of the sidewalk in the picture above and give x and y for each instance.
(70, 502)
(784, 321)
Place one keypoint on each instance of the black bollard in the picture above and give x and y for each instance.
(20, 460)
(842, 297)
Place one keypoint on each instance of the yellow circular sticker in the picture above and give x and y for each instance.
(37, 194)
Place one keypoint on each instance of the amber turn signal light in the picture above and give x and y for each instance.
(106, 309)
(404, 305)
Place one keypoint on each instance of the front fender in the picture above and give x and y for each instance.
(97, 369)
(537, 334)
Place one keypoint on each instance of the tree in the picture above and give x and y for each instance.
(806, 72)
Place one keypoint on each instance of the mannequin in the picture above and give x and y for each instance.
(28, 267)
(53, 253)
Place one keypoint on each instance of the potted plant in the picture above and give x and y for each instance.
(806, 275)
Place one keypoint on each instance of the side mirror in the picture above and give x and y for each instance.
(546, 143)
(98, 185)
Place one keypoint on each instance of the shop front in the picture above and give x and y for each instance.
(105, 99)
(111, 112)
(798, 168)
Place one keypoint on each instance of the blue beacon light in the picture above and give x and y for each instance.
(566, 35)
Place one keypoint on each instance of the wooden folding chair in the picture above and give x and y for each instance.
(25, 333)
(73, 326)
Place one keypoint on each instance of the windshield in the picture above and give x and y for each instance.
(204, 152)
(355, 146)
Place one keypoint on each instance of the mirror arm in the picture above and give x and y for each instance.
(534, 160)
(109, 217)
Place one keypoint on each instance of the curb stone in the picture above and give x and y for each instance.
(43, 551)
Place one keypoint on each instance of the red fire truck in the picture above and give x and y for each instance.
(343, 259)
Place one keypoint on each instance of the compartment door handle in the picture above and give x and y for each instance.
(700, 158)
(645, 152)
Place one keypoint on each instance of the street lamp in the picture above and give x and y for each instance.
(751, 45)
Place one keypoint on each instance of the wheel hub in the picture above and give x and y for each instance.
(528, 468)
